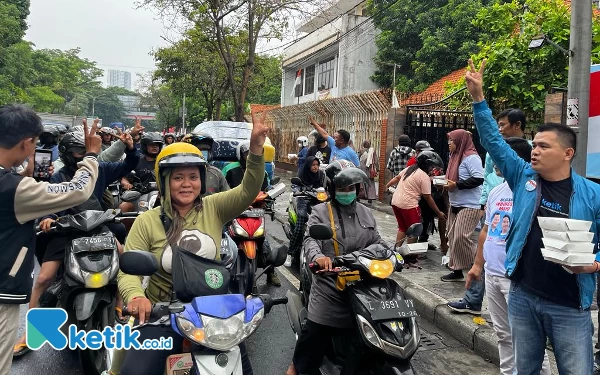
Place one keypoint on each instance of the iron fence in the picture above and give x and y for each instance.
(363, 115)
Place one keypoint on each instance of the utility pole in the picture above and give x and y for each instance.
(579, 78)
(183, 114)
(93, 106)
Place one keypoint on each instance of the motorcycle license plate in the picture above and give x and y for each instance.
(395, 308)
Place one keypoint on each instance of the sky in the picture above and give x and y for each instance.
(111, 32)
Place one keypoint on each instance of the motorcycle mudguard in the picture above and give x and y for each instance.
(296, 311)
(206, 363)
(86, 303)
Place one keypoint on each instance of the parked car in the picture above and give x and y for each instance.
(227, 136)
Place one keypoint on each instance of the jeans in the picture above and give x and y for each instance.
(533, 318)
(475, 293)
(497, 289)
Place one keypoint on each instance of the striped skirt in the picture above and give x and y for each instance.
(462, 248)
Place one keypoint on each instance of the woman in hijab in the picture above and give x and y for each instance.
(465, 179)
(311, 176)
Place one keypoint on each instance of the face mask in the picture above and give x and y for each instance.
(345, 198)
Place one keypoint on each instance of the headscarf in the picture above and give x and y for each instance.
(464, 147)
(308, 177)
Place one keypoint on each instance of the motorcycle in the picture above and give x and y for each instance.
(248, 233)
(86, 283)
(386, 324)
(143, 195)
(214, 324)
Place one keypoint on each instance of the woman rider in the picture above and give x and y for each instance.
(312, 177)
(196, 225)
(329, 311)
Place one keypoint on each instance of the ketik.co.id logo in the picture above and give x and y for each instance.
(44, 326)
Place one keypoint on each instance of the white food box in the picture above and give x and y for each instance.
(564, 225)
(570, 247)
(568, 259)
(418, 248)
(569, 236)
(440, 180)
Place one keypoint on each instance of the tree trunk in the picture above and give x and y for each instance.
(218, 103)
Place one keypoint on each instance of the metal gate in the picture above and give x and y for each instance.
(433, 121)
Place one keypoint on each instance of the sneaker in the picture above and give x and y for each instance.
(273, 279)
(453, 276)
(288, 261)
(463, 307)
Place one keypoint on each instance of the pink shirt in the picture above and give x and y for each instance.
(409, 191)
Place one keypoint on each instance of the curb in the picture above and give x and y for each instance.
(481, 339)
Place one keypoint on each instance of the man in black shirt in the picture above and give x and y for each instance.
(320, 150)
(546, 300)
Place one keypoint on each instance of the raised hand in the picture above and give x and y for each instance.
(137, 128)
(259, 133)
(474, 79)
(93, 142)
(125, 138)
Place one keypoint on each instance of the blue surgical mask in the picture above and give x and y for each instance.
(345, 198)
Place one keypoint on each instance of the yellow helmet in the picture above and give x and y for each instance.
(179, 155)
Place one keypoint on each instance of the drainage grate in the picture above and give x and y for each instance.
(431, 342)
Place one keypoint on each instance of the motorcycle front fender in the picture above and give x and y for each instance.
(206, 363)
(87, 302)
(249, 248)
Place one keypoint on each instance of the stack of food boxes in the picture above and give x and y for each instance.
(567, 241)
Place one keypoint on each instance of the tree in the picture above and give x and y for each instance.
(225, 22)
(426, 38)
(10, 24)
(516, 75)
(265, 87)
(159, 95)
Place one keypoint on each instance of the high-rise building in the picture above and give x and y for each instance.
(119, 78)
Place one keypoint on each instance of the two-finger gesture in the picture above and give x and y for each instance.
(137, 128)
(93, 142)
(474, 79)
(259, 133)
(125, 138)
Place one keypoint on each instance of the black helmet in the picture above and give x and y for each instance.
(49, 136)
(203, 142)
(423, 146)
(70, 143)
(62, 129)
(149, 138)
(430, 161)
(342, 173)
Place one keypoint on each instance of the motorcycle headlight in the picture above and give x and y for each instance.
(223, 334)
(238, 230)
(381, 269)
(260, 231)
(190, 331)
(96, 279)
(322, 196)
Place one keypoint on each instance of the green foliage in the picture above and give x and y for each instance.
(265, 86)
(10, 24)
(515, 75)
(43, 99)
(426, 38)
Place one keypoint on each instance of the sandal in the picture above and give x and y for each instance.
(20, 350)
(119, 316)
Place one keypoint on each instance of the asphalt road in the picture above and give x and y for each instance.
(271, 347)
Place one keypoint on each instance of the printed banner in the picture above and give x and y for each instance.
(593, 156)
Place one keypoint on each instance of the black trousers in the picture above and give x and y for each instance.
(153, 362)
(301, 220)
(314, 342)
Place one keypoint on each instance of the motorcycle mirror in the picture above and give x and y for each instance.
(277, 256)
(138, 262)
(296, 181)
(320, 232)
(275, 180)
(414, 230)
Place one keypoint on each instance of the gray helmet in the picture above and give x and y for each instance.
(343, 173)
(149, 138)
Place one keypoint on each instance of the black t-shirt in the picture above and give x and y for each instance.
(541, 277)
(323, 154)
(145, 170)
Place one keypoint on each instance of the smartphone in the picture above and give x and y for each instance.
(43, 161)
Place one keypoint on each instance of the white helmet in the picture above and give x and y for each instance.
(302, 141)
(242, 147)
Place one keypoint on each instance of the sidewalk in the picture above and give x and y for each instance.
(431, 295)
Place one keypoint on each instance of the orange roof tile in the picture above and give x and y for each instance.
(436, 89)
(257, 108)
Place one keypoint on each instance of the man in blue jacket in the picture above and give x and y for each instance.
(546, 299)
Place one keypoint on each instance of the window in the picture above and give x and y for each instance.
(298, 83)
(327, 74)
(309, 80)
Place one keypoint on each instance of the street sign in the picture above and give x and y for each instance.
(593, 150)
